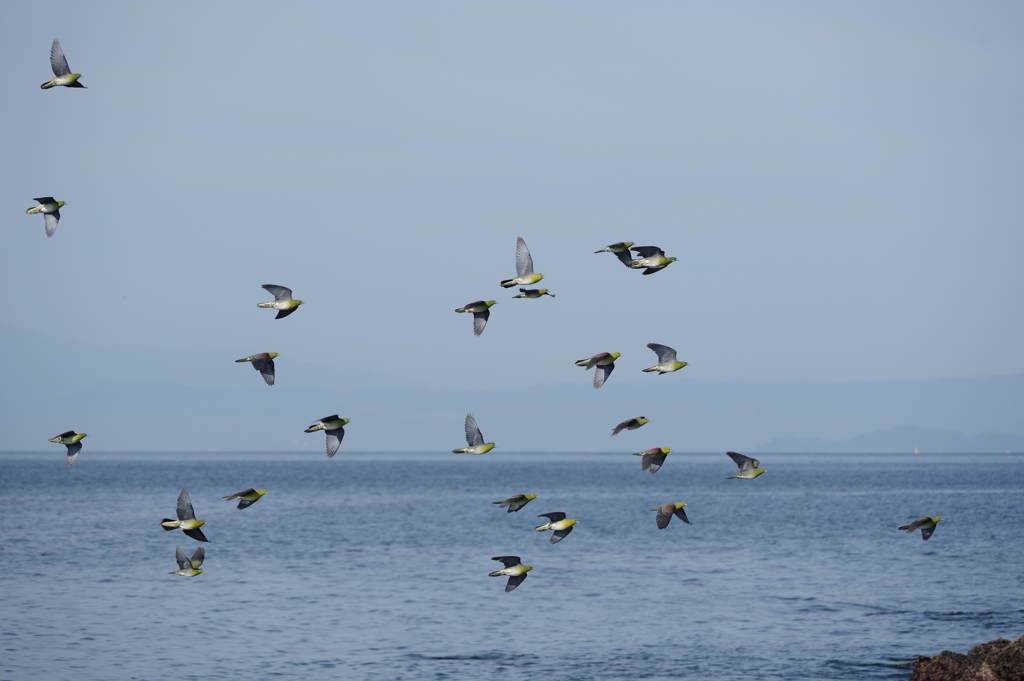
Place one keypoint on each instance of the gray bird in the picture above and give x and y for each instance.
(515, 570)
(186, 521)
(667, 362)
(524, 267)
(262, 362)
(926, 525)
(630, 424)
(73, 441)
(334, 427)
(749, 468)
(282, 302)
(558, 523)
(50, 208)
(60, 69)
(666, 511)
(652, 259)
(621, 251)
(188, 567)
(533, 293)
(481, 310)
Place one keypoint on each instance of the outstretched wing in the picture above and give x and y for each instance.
(281, 314)
(514, 581)
(554, 517)
(50, 221)
(745, 463)
(197, 558)
(184, 509)
(559, 535)
(647, 251)
(196, 534)
(665, 353)
(279, 292)
(473, 435)
(927, 532)
(73, 451)
(524, 262)
(601, 374)
(57, 61)
(507, 561)
(681, 514)
(180, 559)
(266, 369)
(334, 438)
(480, 321)
(663, 518)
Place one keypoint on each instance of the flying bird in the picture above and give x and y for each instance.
(558, 523)
(621, 251)
(73, 441)
(653, 459)
(516, 502)
(749, 468)
(533, 293)
(630, 424)
(474, 438)
(283, 301)
(605, 363)
(188, 567)
(59, 64)
(481, 310)
(247, 497)
(926, 525)
(524, 267)
(651, 259)
(335, 429)
(263, 363)
(666, 511)
(186, 521)
(666, 359)
(50, 210)
(515, 570)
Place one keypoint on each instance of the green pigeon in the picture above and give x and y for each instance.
(653, 459)
(60, 69)
(926, 525)
(533, 293)
(621, 251)
(524, 267)
(50, 210)
(630, 424)
(263, 363)
(516, 502)
(186, 521)
(605, 363)
(666, 511)
(247, 497)
(73, 441)
(666, 359)
(188, 567)
(334, 427)
(481, 310)
(515, 570)
(558, 523)
(651, 259)
(283, 301)
(749, 468)
(474, 438)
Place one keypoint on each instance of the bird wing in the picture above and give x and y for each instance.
(179, 557)
(524, 262)
(50, 221)
(514, 581)
(279, 292)
(69, 433)
(601, 374)
(281, 314)
(592, 362)
(744, 462)
(681, 514)
(559, 535)
(665, 353)
(920, 522)
(619, 428)
(555, 517)
(266, 369)
(647, 251)
(473, 435)
(246, 503)
(507, 561)
(649, 462)
(663, 518)
(46, 199)
(240, 494)
(624, 257)
(480, 321)
(328, 419)
(652, 270)
(334, 438)
(57, 61)
(927, 532)
(197, 558)
(184, 509)
(196, 534)
(73, 451)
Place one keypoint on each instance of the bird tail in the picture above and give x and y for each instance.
(541, 528)
(495, 574)
(168, 520)
(47, 85)
(651, 369)
(508, 283)
(461, 309)
(264, 305)
(904, 527)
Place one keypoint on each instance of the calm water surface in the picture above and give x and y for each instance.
(375, 566)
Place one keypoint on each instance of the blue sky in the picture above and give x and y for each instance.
(840, 182)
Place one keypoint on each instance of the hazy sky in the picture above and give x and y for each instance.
(841, 183)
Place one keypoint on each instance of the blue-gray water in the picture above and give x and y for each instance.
(375, 566)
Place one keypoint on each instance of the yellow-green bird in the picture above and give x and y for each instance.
(621, 251)
(926, 525)
(188, 567)
(334, 427)
(666, 359)
(481, 310)
(653, 459)
(630, 424)
(247, 497)
(50, 209)
(59, 64)
(749, 468)
(524, 267)
(283, 301)
(666, 511)
(650, 259)
(533, 293)
(73, 441)
(474, 438)
(516, 502)
(264, 363)
(557, 522)
(186, 521)
(604, 363)
(515, 570)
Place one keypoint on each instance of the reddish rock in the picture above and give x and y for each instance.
(998, 660)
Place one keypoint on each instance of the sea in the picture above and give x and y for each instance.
(375, 566)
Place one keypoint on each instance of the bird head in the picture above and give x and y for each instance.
(570, 523)
(61, 204)
(200, 522)
(196, 571)
(542, 291)
(274, 354)
(79, 437)
(683, 364)
(529, 497)
(261, 492)
(671, 260)
(527, 568)
(615, 355)
(491, 302)
(680, 504)
(298, 302)
(626, 244)
(666, 450)
(345, 422)
(935, 520)
(642, 420)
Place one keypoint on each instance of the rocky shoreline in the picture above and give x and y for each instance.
(998, 660)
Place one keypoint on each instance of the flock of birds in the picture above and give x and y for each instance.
(650, 259)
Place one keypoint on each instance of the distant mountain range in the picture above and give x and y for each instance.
(137, 398)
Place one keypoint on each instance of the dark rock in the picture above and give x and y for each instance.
(998, 660)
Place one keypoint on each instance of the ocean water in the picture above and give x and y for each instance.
(374, 566)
